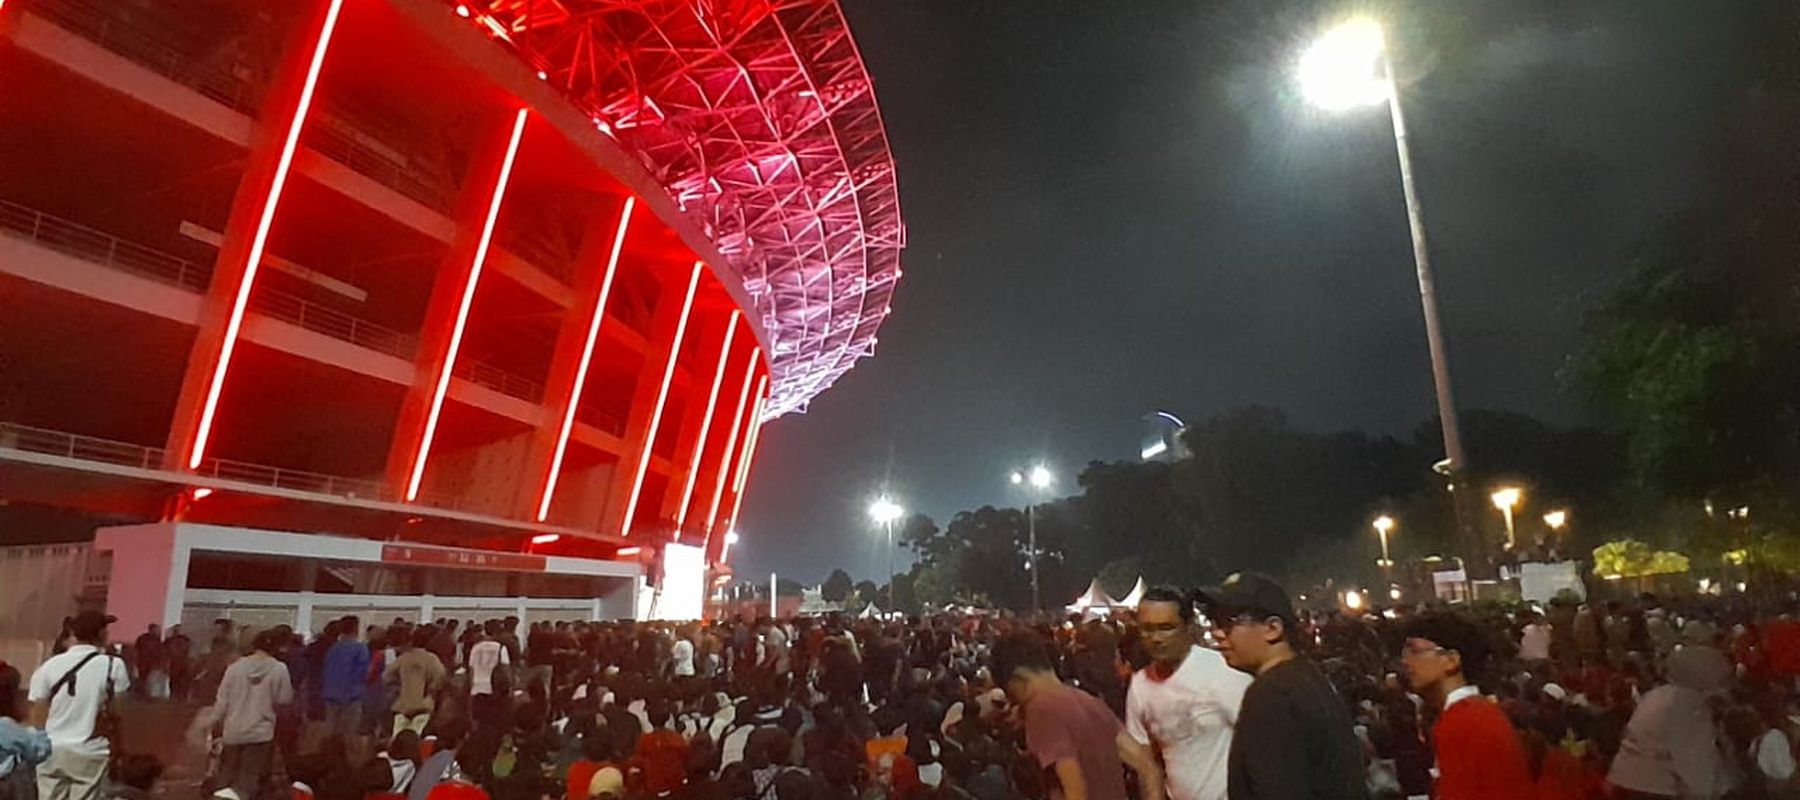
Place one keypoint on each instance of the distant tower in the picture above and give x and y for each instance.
(1162, 438)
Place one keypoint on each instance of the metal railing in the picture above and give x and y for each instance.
(499, 380)
(331, 135)
(88, 448)
(340, 141)
(81, 241)
(100, 23)
(605, 421)
(85, 448)
(88, 244)
(333, 323)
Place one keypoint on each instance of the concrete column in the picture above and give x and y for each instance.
(303, 611)
(576, 342)
(149, 576)
(451, 295)
(696, 425)
(241, 248)
(740, 474)
(724, 472)
(663, 345)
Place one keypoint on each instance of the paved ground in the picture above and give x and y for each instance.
(159, 728)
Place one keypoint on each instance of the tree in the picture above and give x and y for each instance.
(1119, 577)
(1698, 388)
(1630, 558)
(866, 591)
(837, 587)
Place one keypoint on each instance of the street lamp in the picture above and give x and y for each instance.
(1555, 520)
(1349, 67)
(1039, 480)
(1505, 499)
(885, 511)
(1383, 524)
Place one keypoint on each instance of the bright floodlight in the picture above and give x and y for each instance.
(1384, 523)
(1556, 519)
(1040, 477)
(1505, 499)
(1342, 69)
(1353, 600)
(1018, 478)
(884, 511)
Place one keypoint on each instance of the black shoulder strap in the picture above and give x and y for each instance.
(68, 678)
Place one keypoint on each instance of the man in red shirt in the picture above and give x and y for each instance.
(1478, 752)
(662, 752)
(1073, 736)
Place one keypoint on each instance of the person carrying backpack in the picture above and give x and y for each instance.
(74, 696)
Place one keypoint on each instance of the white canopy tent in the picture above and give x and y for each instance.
(1094, 599)
(1135, 596)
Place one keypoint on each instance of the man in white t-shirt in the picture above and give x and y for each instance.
(1534, 641)
(682, 655)
(485, 656)
(68, 694)
(1185, 703)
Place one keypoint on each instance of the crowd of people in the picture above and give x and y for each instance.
(1223, 692)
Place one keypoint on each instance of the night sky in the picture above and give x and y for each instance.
(1116, 207)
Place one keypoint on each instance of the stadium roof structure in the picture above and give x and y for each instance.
(760, 121)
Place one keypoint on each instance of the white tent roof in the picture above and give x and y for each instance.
(1094, 597)
(1135, 596)
(869, 612)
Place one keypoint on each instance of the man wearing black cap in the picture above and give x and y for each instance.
(1293, 738)
(72, 694)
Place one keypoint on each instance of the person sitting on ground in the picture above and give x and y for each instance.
(403, 760)
(441, 765)
(137, 777)
(596, 754)
(22, 748)
(608, 783)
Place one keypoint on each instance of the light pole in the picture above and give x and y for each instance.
(1349, 67)
(1383, 524)
(884, 512)
(1039, 480)
(1505, 499)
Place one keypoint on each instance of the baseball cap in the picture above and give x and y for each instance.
(1246, 592)
(90, 624)
(607, 782)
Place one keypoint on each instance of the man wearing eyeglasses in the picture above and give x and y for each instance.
(1293, 739)
(1186, 701)
(1478, 754)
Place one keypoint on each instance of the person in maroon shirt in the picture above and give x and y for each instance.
(1479, 756)
(1071, 733)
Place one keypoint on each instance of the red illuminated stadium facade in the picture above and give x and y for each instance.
(503, 276)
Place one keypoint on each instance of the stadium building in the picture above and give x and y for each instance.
(441, 308)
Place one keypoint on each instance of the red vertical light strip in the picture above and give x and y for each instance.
(737, 426)
(261, 238)
(737, 499)
(662, 397)
(755, 436)
(462, 311)
(712, 404)
(587, 356)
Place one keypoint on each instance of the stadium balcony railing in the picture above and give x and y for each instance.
(88, 244)
(124, 454)
(332, 135)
